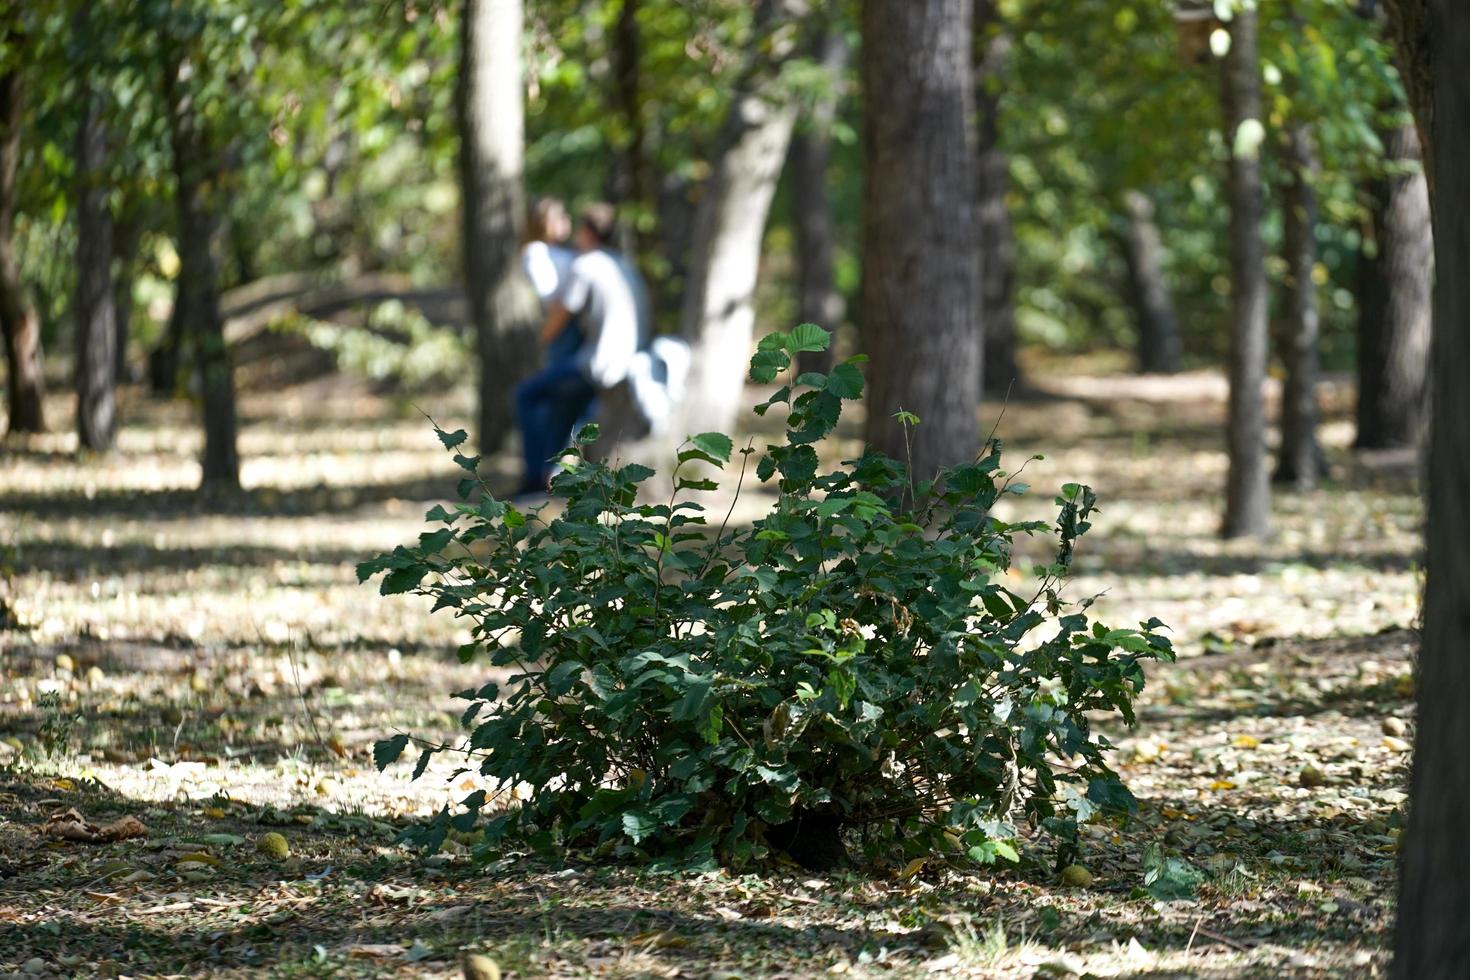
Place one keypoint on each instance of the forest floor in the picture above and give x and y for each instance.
(212, 669)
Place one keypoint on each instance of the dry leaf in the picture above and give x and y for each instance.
(71, 825)
(374, 951)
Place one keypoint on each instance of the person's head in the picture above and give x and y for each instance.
(597, 226)
(548, 221)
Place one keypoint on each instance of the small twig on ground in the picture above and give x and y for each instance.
(1192, 933)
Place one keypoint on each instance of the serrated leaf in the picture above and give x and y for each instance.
(766, 364)
(638, 824)
(386, 751)
(717, 444)
(807, 338)
(402, 580)
(845, 381)
(432, 541)
(452, 439)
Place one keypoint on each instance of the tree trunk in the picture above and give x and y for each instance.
(96, 330)
(127, 235)
(1409, 23)
(1153, 305)
(196, 175)
(489, 104)
(26, 386)
(165, 358)
(718, 316)
(817, 298)
(1395, 313)
(1434, 898)
(1300, 461)
(921, 284)
(632, 190)
(997, 237)
(1247, 497)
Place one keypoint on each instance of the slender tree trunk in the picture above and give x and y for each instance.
(1248, 491)
(127, 235)
(96, 330)
(817, 298)
(490, 108)
(25, 385)
(921, 292)
(997, 236)
(1153, 305)
(196, 175)
(1395, 312)
(1430, 941)
(718, 316)
(1300, 461)
(165, 358)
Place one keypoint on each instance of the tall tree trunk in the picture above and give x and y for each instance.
(490, 107)
(1153, 305)
(197, 173)
(1434, 898)
(127, 235)
(1248, 491)
(96, 329)
(1300, 461)
(921, 294)
(25, 385)
(1395, 305)
(167, 355)
(1410, 25)
(817, 298)
(632, 189)
(997, 236)
(718, 316)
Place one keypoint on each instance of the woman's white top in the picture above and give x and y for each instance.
(547, 267)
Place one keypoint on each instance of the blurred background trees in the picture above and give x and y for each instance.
(353, 177)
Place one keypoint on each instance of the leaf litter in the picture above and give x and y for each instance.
(216, 677)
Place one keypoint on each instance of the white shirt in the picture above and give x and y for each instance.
(607, 295)
(547, 266)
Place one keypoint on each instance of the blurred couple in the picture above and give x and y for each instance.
(596, 334)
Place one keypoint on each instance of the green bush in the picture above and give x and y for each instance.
(851, 667)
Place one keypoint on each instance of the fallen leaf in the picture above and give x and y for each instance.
(374, 951)
(71, 825)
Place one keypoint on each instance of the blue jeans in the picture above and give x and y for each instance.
(548, 405)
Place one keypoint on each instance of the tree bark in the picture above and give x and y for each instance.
(26, 386)
(1153, 306)
(632, 189)
(167, 355)
(718, 315)
(197, 173)
(1247, 497)
(997, 236)
(96, 329)
(817, 298)
(1395, 305)
(1409, 25)
(489, 104)
(127, 235)
(1430, 941)
(1300, 461)
(921, 290)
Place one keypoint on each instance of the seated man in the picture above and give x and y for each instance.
(605, 293)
